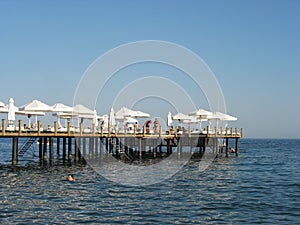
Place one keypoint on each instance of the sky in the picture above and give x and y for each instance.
(251, 47)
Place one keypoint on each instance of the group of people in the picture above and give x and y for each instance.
(155, 127)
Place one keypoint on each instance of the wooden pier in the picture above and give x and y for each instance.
(124, 146)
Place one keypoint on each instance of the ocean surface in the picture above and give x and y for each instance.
(260, 186)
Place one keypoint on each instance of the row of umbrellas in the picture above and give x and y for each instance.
(60, 110)
(125, 115)
(199, 116)
(39, 108)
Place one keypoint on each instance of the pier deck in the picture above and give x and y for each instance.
(117, 144)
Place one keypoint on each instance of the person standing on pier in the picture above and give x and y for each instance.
(156, 125)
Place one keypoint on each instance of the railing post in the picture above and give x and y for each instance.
(69, 129)
(38, 127)
(55, 128)
(160, 131)
(134, 129)
(109, 129)
(20, 127)
(80, 129)
(3, 127)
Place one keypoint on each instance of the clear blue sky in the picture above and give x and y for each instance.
(251, 46)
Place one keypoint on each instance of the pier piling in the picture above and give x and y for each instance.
(15, 151)
(64, 148)
(45, 149)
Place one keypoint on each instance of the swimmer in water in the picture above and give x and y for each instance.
(71, 178)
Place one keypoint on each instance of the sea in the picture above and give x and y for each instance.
(260, 186)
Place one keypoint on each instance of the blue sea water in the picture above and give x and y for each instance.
(262, 186)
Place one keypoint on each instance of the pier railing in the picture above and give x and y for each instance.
(55, 131)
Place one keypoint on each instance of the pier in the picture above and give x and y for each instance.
(128, 147)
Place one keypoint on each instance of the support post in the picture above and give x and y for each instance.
(84, 147)
(227, 143)
(77, 146)
(69, 148)
(91, 146)
(96, 142)
(154, 148)
(45, 149)
(168, 147)
(101, 147)
(236, 147)
(40, 148)
(57, 145)
(64, 148)
(51, 153)
(179, 147)
(140, 148)
(14, 151)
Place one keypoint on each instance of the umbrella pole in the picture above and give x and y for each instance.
(35, 120)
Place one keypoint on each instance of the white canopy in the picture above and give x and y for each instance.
(181, 116)
(125, 112)
(59, 107)
(82, 110)
(2, 104)
(201, 113)
(140, 114)
(222, 116)
(130, 120)
(36, 106)
(186, 119)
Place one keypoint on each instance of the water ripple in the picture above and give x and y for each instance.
(262, 185)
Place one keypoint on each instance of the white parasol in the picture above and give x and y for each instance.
(169, 120)
(202, 114)
(11, 112)
(112, 119)
(130, 120)
(125, 112)
(95, 119)
(222, 116)
(82, 110)
(35, 107)
(61, 108)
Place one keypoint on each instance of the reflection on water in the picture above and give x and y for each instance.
(260, 186)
